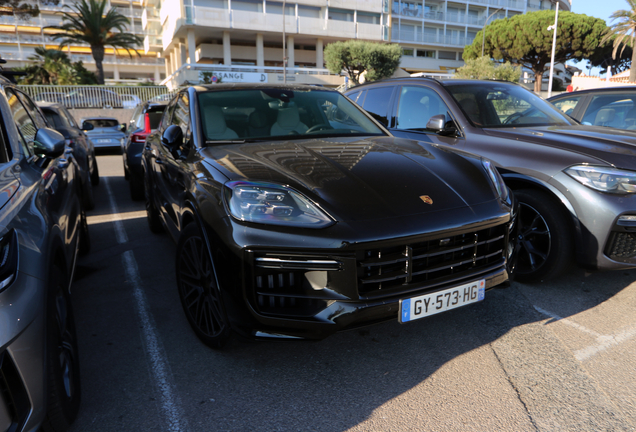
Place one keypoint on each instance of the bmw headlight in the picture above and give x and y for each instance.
(604, 179)
(496, 179)
(273, 204)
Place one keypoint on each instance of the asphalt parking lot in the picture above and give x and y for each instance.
(546, 357)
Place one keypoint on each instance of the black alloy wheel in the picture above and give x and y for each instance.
(545, 240)
(152, 214)
(94, 170)
(62, 359)
(199, 289)
(84, 239)
(136, 185)
(88, 199)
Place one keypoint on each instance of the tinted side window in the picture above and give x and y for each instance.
(26, 127)
(377, 103)
(166, 120)
(417, 105)
(567, 105)
(354, 96)
(69, 118)
(34, 112)
(182, 113)
(614, 110)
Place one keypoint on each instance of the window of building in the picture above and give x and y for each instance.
(247, 5)
(340, 15)
(425, 53)
(447, 55)
(368, 18)
(407, 52)
(308, 11)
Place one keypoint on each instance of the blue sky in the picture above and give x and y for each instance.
(599, 9)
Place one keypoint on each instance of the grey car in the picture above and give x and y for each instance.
(42, 230)
(576, 184)
(610, 106)
(104, 132)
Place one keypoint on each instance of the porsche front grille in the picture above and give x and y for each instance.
(393, 268)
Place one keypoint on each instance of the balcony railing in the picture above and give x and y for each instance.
(410, 35)
(259, 21)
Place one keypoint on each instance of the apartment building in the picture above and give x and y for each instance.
(242, 40)
(18, 39)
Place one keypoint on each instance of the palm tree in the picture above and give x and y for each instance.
(89, 24)
(53, 67)
(624, 33)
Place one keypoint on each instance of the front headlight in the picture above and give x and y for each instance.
(604, 179)
(273, 204)
(496, 179)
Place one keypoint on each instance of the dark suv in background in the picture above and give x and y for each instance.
(144, 120)
(576, 184)
(42, 229)
(83, 150)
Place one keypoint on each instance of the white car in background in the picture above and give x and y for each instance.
(130, 101)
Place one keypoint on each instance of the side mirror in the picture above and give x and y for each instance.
(48, 143)
(172, 137)
(123, 127)
(86, 126)
(440, 126)
(436, 123)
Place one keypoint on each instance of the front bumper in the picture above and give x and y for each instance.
(22, 365)
(603, 241)
(311, 294)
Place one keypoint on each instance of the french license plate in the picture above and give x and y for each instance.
(441, 301)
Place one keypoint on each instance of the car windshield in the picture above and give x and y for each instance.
(498, 105)
(280, 113)
(103, 123)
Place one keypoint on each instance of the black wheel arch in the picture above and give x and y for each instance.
(517, 181)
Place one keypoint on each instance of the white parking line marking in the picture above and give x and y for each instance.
(603, 342)
(568, 322)
(97, 219)
(120, 232)
(159, 367)
(154, 350)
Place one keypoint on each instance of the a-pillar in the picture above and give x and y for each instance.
(260, 53)
(320, 61)
(227, 49)
(192, 48)
(290, 51)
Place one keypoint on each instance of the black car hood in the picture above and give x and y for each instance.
(613, 146)
(361, 179)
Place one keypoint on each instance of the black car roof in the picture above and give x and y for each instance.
(257, 86)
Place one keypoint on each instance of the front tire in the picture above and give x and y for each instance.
(199, 290)
(88, 199)
(545, 238)
(62, 359)
(152, 214)
(136, 184)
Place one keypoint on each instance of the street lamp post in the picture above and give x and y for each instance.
(554, 29)
(483, 31)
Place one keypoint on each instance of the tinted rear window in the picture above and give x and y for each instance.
(103, 122)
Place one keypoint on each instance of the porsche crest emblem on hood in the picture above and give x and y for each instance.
(427, 199)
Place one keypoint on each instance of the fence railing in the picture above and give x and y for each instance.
(97, 96)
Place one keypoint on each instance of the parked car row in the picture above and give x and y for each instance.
(43, 179)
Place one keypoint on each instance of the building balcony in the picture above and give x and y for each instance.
(268, 22)
(416, 36)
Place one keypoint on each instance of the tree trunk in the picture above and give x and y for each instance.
(632, 70)
(98, 55)
(538, 81)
